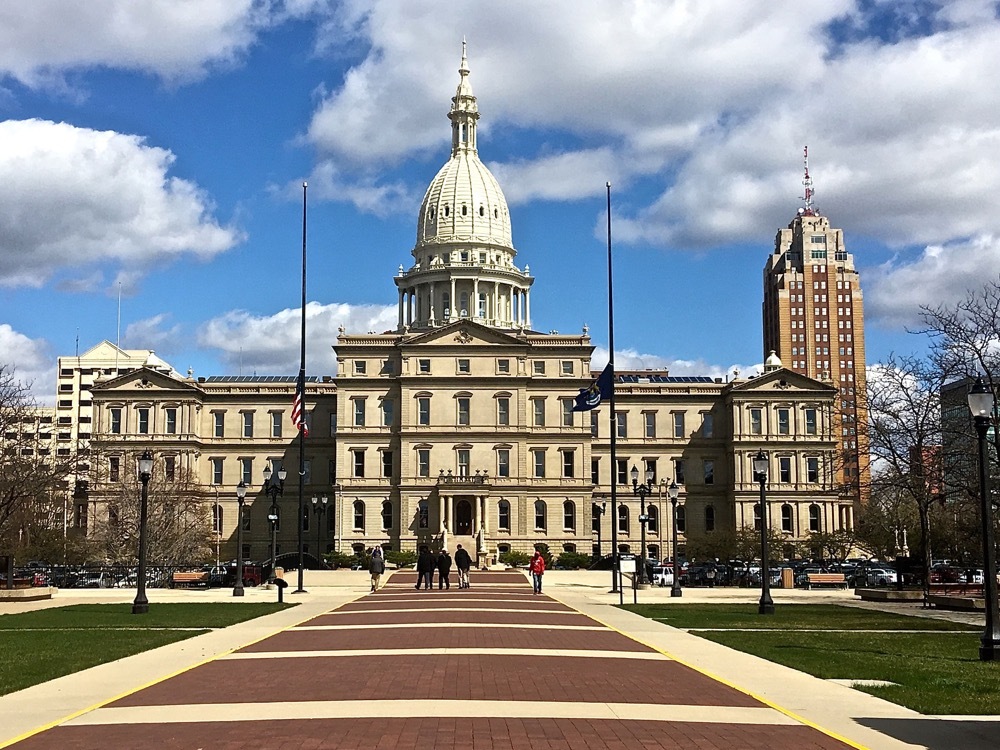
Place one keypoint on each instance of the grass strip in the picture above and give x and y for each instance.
(100, 633)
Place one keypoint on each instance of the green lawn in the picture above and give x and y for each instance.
(39, 646)
(936, 673)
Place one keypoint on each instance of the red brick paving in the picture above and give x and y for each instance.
(436, 677)
(432, 733)
(540, 617)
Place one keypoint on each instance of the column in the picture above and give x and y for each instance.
(453, 311)
(474, 313)
(476, 516)
(430, 305)
(441, 502)
(402, 300)
(485, 515)
(527, 308)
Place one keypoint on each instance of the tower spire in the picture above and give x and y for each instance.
(807, 183)
(464, 110)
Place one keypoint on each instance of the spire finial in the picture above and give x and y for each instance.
(807, 184)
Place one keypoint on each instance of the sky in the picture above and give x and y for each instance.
(152, 155)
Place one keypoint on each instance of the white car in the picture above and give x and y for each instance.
(663, 576)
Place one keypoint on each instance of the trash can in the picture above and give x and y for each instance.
(787, 578)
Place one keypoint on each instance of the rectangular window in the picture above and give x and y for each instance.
(423, 411)
(114, 469)
(784, 469)
(359, 411)
(503, 462)
(650, 470)
(143, 414)
(247, 417)
(216, 470)
(567, 367)
(463, 462)
(463, 411)
(538, 367)
(621, 471)
(595, 471)
(569, 464)
(170, 468)
(275, 417)
(424, 462)
(503, 366)
(246, 471)
(707, 425)
(594, 423)
(218, 424)
(170, 421)
(538, 412)
(424, 366)
(621, 424)
(649, 420)
(566, 405)
(709, 469)
(810, 421)
(116, 421)
(464, 367)
(679, 470)
(388, 412)
(812, 470)
(503, 411)
(503, 516)
(387, 463)
(358, 461)
(538, 461)
(360, 367)
(307, 471)
(756, 422)
(388, 367)
(783, 422)
(678, 419)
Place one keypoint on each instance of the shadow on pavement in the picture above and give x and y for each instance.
(939, 734)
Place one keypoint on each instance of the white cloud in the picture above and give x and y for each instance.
(42, 40)
(630, 359)
(74, 198)
(31, 361)
(269, 345)
(154, 333)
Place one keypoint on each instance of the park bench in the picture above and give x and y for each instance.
(825, 579)
(193, 578)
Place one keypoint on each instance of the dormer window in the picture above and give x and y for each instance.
(446, 210)
(465, 210)
(496, 214)
(482, 211)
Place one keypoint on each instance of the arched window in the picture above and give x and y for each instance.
(569, 548)
(463, 304)
(569, 516)
(387, 514)
(503, 515)
(709, 518)
(359, 515)
(465, 210)
(814, 518)
(653, 524)
(623, 519)
(446, 304)
(446, 210)
(540, 519)
(786, 518)
(681, 519)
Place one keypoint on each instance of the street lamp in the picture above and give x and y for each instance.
(319, 509)
(599, 511)
(241, 495)
(981, 405)
(642, 490)
(274, 490)
(141, 604)
(766, 606)
(672, 492)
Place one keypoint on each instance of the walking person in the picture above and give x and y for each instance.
(376, 567)
(444, 570)
(425, 569)
(463, 561)
(537, 568)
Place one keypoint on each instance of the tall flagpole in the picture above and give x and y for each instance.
(612, 421)
(301, 385)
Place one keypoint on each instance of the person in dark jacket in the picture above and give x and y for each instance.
(425, 569)
(376, 567)
(444, 570)
(463, 561)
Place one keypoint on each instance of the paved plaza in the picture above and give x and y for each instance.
(493, 667)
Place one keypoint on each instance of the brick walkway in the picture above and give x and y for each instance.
(489, 668)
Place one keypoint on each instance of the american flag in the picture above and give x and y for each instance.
(298, 409)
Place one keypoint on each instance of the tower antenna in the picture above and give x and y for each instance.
(807, 183)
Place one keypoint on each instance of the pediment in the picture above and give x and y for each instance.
(465, 333)
(143, 380)
(783, 380)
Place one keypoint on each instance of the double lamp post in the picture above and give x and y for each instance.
(274, 490)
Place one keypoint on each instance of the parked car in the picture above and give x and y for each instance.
(663, 576)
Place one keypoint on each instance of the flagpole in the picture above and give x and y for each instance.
(301, 386)
(612, 421)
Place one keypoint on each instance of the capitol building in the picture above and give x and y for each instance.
(458, 427)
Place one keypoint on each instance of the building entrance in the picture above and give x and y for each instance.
(463, 518)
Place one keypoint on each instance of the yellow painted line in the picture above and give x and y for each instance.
(790, 714)
(101, 704)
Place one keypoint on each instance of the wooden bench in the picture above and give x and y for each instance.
(194, 578)
(825, 579)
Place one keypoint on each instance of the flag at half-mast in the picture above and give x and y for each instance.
(299, 408)
(590, 398)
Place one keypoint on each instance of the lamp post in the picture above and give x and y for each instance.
(672, 492)
(981, 403)
(241, 494)
(642, 490)
(599, 511)
(766, 606)
(274, 490)
(141, 604)
(319, 509)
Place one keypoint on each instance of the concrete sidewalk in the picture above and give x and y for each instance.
(338, 661)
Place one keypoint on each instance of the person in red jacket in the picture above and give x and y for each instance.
(537, 568)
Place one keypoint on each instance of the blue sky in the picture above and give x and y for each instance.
(158, 148)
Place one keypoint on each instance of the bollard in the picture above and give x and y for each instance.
(282, 584)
